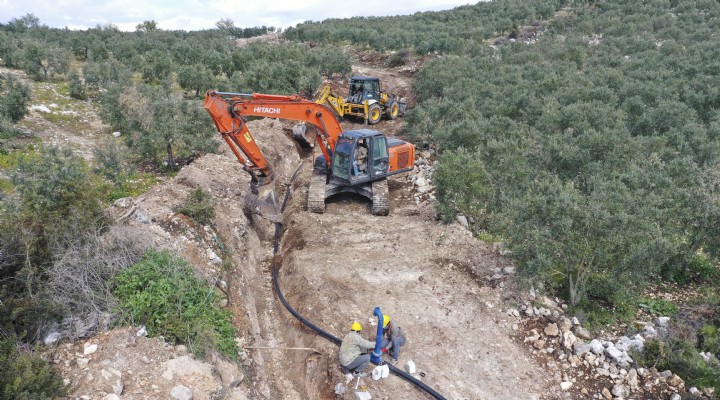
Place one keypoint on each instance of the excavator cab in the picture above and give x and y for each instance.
(360, 156)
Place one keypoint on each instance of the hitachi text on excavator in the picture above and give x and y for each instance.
(357, 161)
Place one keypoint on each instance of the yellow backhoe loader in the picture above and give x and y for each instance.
(365, 100)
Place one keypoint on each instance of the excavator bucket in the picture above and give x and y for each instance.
(302, 135)
(263, 202)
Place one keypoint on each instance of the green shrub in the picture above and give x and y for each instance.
(703, 268)
(396, 60)
(199, 206)
(14, 97)
(163, 293)
(8, 130)
(26, 375)
(659, 307)
(682, 358)
(77, 88)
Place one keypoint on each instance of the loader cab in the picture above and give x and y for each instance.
(364, 88)
(360, 156)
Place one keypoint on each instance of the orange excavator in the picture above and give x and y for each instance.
(357, 161)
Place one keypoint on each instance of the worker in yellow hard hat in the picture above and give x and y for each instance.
(393, 339)
(353, 356)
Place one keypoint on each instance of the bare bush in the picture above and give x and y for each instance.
(81, 274)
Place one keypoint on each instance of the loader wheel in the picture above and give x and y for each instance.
(392, 110)
(374, 113)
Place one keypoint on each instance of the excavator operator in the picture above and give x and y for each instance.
(360, 162)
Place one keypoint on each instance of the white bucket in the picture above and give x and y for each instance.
(377, 373)
(410, 367)
(385, 371)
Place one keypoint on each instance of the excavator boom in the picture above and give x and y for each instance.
(229, 109)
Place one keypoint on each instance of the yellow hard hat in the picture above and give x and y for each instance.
(355, 326)
(386, 320)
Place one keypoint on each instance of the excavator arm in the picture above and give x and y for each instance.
(229, 109)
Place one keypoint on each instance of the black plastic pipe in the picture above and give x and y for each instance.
(317, 329)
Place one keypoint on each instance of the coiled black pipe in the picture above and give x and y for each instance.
(318, 330)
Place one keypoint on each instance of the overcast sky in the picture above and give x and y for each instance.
(203, 14)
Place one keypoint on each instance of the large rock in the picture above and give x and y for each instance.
(186, 366)
(52, 339)
(582, 333)
(596, 346)
(620, 391)
(229, 372)
(606, 394)
(627, 344)
(618, 356)
(552, 330)
(111, 381)
(675, 381)
(580, 348)
(569, 339)
(649, 332)
(632, 378)
(565, 325)
(89, 348)
(181, 392)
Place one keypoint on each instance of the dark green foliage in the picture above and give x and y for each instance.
(455, 171)
(26, 376)
(283, 69)
(54, 186)
(14, 98)
(162, 123)
(106, 74)
(77, 87)
(54, 202)
(8, 129)
(163, 293)
(147, 26)
(682, 358)
(396, 60)
(199, 206)
(42, 60)
(155, 66)
(227, 26)
(453, 31)
(113, 163)
(330, 60)
(599, 146)
(196, 78)
(659, 307)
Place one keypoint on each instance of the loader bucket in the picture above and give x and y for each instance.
(402, 106)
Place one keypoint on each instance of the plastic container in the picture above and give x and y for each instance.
(410, 367)
(385, 371)
(377, 373)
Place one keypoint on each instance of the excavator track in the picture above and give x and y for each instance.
(380, 198)
(316, 193)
